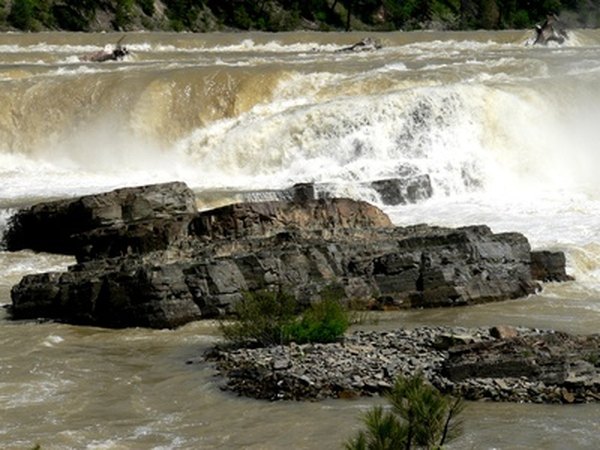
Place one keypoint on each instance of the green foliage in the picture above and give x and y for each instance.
(123, 14)
(30, 15)
(593, 358)
(325, 321)
(22, 14)
(520, 19)
(261, 318)
(384, 432)
(183, 14)
(271, 318)
(280, 15)
(147, 6)
(420, 417)
(75, 15)
(490, 14)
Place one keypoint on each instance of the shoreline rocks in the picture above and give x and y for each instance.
(147, 258)
(531, 366)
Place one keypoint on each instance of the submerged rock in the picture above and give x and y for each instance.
(366, 44)
(409, 186)
(147, 258)
(552, 30)
(400, 191)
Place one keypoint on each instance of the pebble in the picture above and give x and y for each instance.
(366, 363)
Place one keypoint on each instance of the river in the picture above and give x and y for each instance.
(507, 132)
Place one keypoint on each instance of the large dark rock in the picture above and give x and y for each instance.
(107, 294)
(400, 191)
(552, 30)
(144, 264)
(449, 267)
(549, 266)
(71, 226)
(409, 186)
(268, 218)
(564, 367)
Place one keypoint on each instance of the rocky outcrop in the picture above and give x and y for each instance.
(529, 366)
(269, 218)
(113, 220)
(392, 268)
(400, 191)
(364, 45)
(549, 266)
(146, 258)
(409, 186)
(552, 30)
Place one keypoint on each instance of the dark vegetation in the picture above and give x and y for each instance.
(420, 417)
(285, 15)
(268, 318)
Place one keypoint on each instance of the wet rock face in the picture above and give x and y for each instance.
(146, 258)
(549, 266)
(409, 186)
(269, 218)
(551, 30)
(70, 226)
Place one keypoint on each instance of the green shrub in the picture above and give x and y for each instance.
(147, 6)
(420, 417)
(74, 15)
(325, 321)
(123, 14)
(270, 318)
(261, 318)
(22, 14)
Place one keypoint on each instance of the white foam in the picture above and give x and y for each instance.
(52, 341)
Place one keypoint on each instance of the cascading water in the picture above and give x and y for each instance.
(506, 132)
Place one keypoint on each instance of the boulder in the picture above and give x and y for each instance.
(503, 332)
(549, 266)
(409, 186)
(451, 267)
(102, 225)
(128, 295)
(552, 30)
(555, 362)
(366, 44)
(400, 191)
(146, 258)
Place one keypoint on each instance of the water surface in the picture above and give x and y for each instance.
(506, 131)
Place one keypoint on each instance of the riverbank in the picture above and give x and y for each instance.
(496, 364)
(269, 15)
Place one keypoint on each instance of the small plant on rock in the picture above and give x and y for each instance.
(420, 417)
(262, 318)
(267, 318)
(325, 321)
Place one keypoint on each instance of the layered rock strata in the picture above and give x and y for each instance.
(146, 257)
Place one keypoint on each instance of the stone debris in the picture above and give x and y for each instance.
(533, 366)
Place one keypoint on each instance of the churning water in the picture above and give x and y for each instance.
(507, 132)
